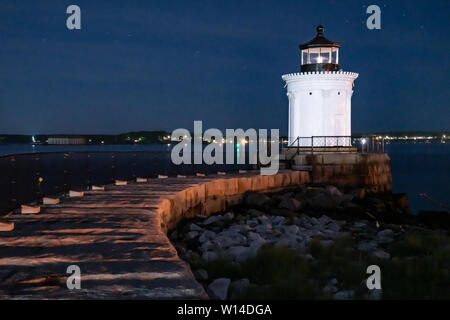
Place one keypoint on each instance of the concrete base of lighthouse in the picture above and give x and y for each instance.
(345, 168)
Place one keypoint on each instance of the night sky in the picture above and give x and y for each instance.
(149, 65)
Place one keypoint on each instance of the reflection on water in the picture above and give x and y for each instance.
(28, 148)
(417, 168)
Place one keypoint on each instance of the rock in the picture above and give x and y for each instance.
(219, 288)
(263, 228)
(252, 223)
(330, 289)
(278, 220)
(359, 224)
(258, 200)
(334, 226)
(380, 254)
(314, 220)
(228, 216)
(191, 235)
(264, 220)
(241, 228)
(201, 274)
(351, 205)
(385, 236)
(401, 201)
(344, 295)
(375, 294)
(255, 213)
(280, 212)
(322, 201)
(380, 207)
(385, 233)
(239, 285)
(239, 253)
(210, 256)
(194, 227)
(367, 246)
(334, 191)
(292, 229)
(255, 246)
(192, 257)
(207, 235)
(333, 282)
(253, 236)
(290, 204)
(208, 245)
(358, 193)
(346, 199)
(324, 220)
(211, 220)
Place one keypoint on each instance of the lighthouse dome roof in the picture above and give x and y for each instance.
(320, 41)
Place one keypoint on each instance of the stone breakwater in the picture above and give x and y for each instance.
(294, 220)
(218, 194)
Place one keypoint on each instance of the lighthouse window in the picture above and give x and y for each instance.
(324, 57)
(334, 55)
(313, 57)
(304, 57)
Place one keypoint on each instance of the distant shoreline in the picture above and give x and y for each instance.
(163, 137)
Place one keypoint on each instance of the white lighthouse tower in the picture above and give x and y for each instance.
(320, 96)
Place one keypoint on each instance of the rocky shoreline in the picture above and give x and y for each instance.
(302, 222)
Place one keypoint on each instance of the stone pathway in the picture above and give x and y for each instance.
(114, 236)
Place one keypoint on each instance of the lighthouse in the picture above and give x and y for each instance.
(320, 96)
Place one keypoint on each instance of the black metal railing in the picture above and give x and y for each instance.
(364, 144)
(29, 177)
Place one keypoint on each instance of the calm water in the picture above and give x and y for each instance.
(417, 168)
(421, 168)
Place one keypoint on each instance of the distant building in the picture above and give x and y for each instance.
(66, 140)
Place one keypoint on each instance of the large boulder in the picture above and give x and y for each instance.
(290, 204)
(239, 253)
(255, 213)
(239, 285)
(207, 235)
(401, 201)
(218, 289)
(210, 256)
(201, 274)
(323, 201)
(212, 219)
(344, 295)
(334, 191)
(358, 193)
(380, 254)
(257, 200)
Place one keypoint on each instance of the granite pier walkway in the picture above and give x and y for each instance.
(113, 235)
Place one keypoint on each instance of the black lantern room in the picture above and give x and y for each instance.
(320, 54)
